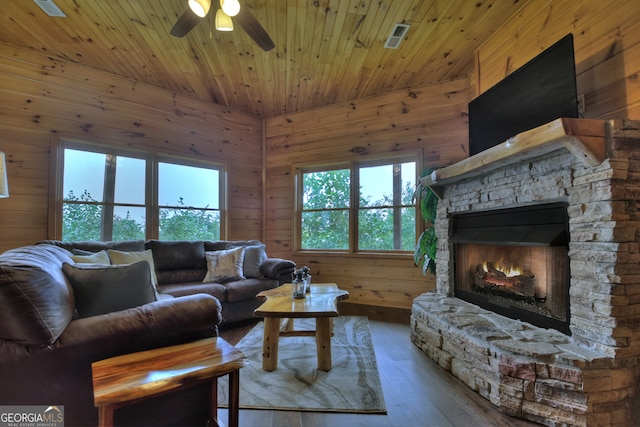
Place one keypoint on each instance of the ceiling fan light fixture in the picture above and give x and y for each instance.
(223, 21)
(230, 7)
(200, 7)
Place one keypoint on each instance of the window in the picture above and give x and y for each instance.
(359, 207)
(187, 212)
(108, 194)
(325, 209)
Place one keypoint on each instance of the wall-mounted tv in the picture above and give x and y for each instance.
(540, 91)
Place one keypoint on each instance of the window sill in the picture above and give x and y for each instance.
(368, 255)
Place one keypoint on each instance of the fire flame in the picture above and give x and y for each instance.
(509, 271)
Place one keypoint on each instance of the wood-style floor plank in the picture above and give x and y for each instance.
(417, 392)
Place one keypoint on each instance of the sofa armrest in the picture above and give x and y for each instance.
(278, 268)
(158, 324)
(61, 372)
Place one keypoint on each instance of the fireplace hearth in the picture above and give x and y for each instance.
(515, 262)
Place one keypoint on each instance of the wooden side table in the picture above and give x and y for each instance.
(122, 380)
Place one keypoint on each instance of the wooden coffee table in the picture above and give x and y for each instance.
(280, 307)
(123, 380)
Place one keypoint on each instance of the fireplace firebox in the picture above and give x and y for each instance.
(515, 262)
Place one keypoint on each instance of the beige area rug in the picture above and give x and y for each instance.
(352, 385)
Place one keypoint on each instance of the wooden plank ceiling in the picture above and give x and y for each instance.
(327, 51)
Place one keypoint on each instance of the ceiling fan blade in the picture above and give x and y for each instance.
(187, 21)
(252, 27)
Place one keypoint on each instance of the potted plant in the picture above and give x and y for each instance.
(424, 254)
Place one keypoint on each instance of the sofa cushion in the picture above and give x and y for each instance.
(167, 277)
(220, 245)
(254, 256)
(91, 258)
(223, 266)
(182, 289)
(247, 289)
(101, 289)
(177, 255)
(95, 246)
(121, 257)
(36, 302)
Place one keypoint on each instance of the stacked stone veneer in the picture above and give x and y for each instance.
(592, 376)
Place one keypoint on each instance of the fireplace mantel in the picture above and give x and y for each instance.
(584, 138)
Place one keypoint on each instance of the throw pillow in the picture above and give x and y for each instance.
(254, 256)
(121, 257)
(101, 289)
(224, 266)
(93, 258)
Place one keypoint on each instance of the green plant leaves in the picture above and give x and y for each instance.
(425, 251)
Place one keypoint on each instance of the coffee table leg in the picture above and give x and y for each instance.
(270, 343)
(323, 343)
(234, 398)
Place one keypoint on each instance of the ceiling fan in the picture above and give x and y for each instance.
(198, 10)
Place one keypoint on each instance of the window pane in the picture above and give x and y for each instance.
(130, 180)
(409, 228)
(129, 223)
(83, 175)
(180, 185)
(408, 176)
(189, 224)
(377, 184)
(81, 221)
(326, 190)
(325, 230)
(377, 230)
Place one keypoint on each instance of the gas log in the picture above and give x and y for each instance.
(495, 281)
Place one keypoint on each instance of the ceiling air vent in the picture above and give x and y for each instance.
(397, 35)
(49, 7)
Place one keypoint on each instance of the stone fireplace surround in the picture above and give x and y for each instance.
(587, 378)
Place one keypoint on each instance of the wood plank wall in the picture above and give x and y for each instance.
(606, 42)
(42, 96)
(431, 119)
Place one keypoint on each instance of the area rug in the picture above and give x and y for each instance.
(352, 385)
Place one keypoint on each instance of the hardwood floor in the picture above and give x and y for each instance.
(417, 392)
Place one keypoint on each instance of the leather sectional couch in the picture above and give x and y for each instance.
(181, 267)
(48, 337)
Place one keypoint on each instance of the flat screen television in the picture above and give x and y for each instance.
(540, 91)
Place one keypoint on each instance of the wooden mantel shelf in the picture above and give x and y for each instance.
(582, 137)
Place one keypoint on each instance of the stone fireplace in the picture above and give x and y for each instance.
(514, 261)
(584, 369)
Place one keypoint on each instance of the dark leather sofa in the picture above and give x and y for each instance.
(181, 266)
(46, 351)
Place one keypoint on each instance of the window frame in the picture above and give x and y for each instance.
(152, 209)
(298, 171)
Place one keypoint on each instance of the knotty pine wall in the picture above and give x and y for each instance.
(431, 119)
(606, 43)
(44, 97)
